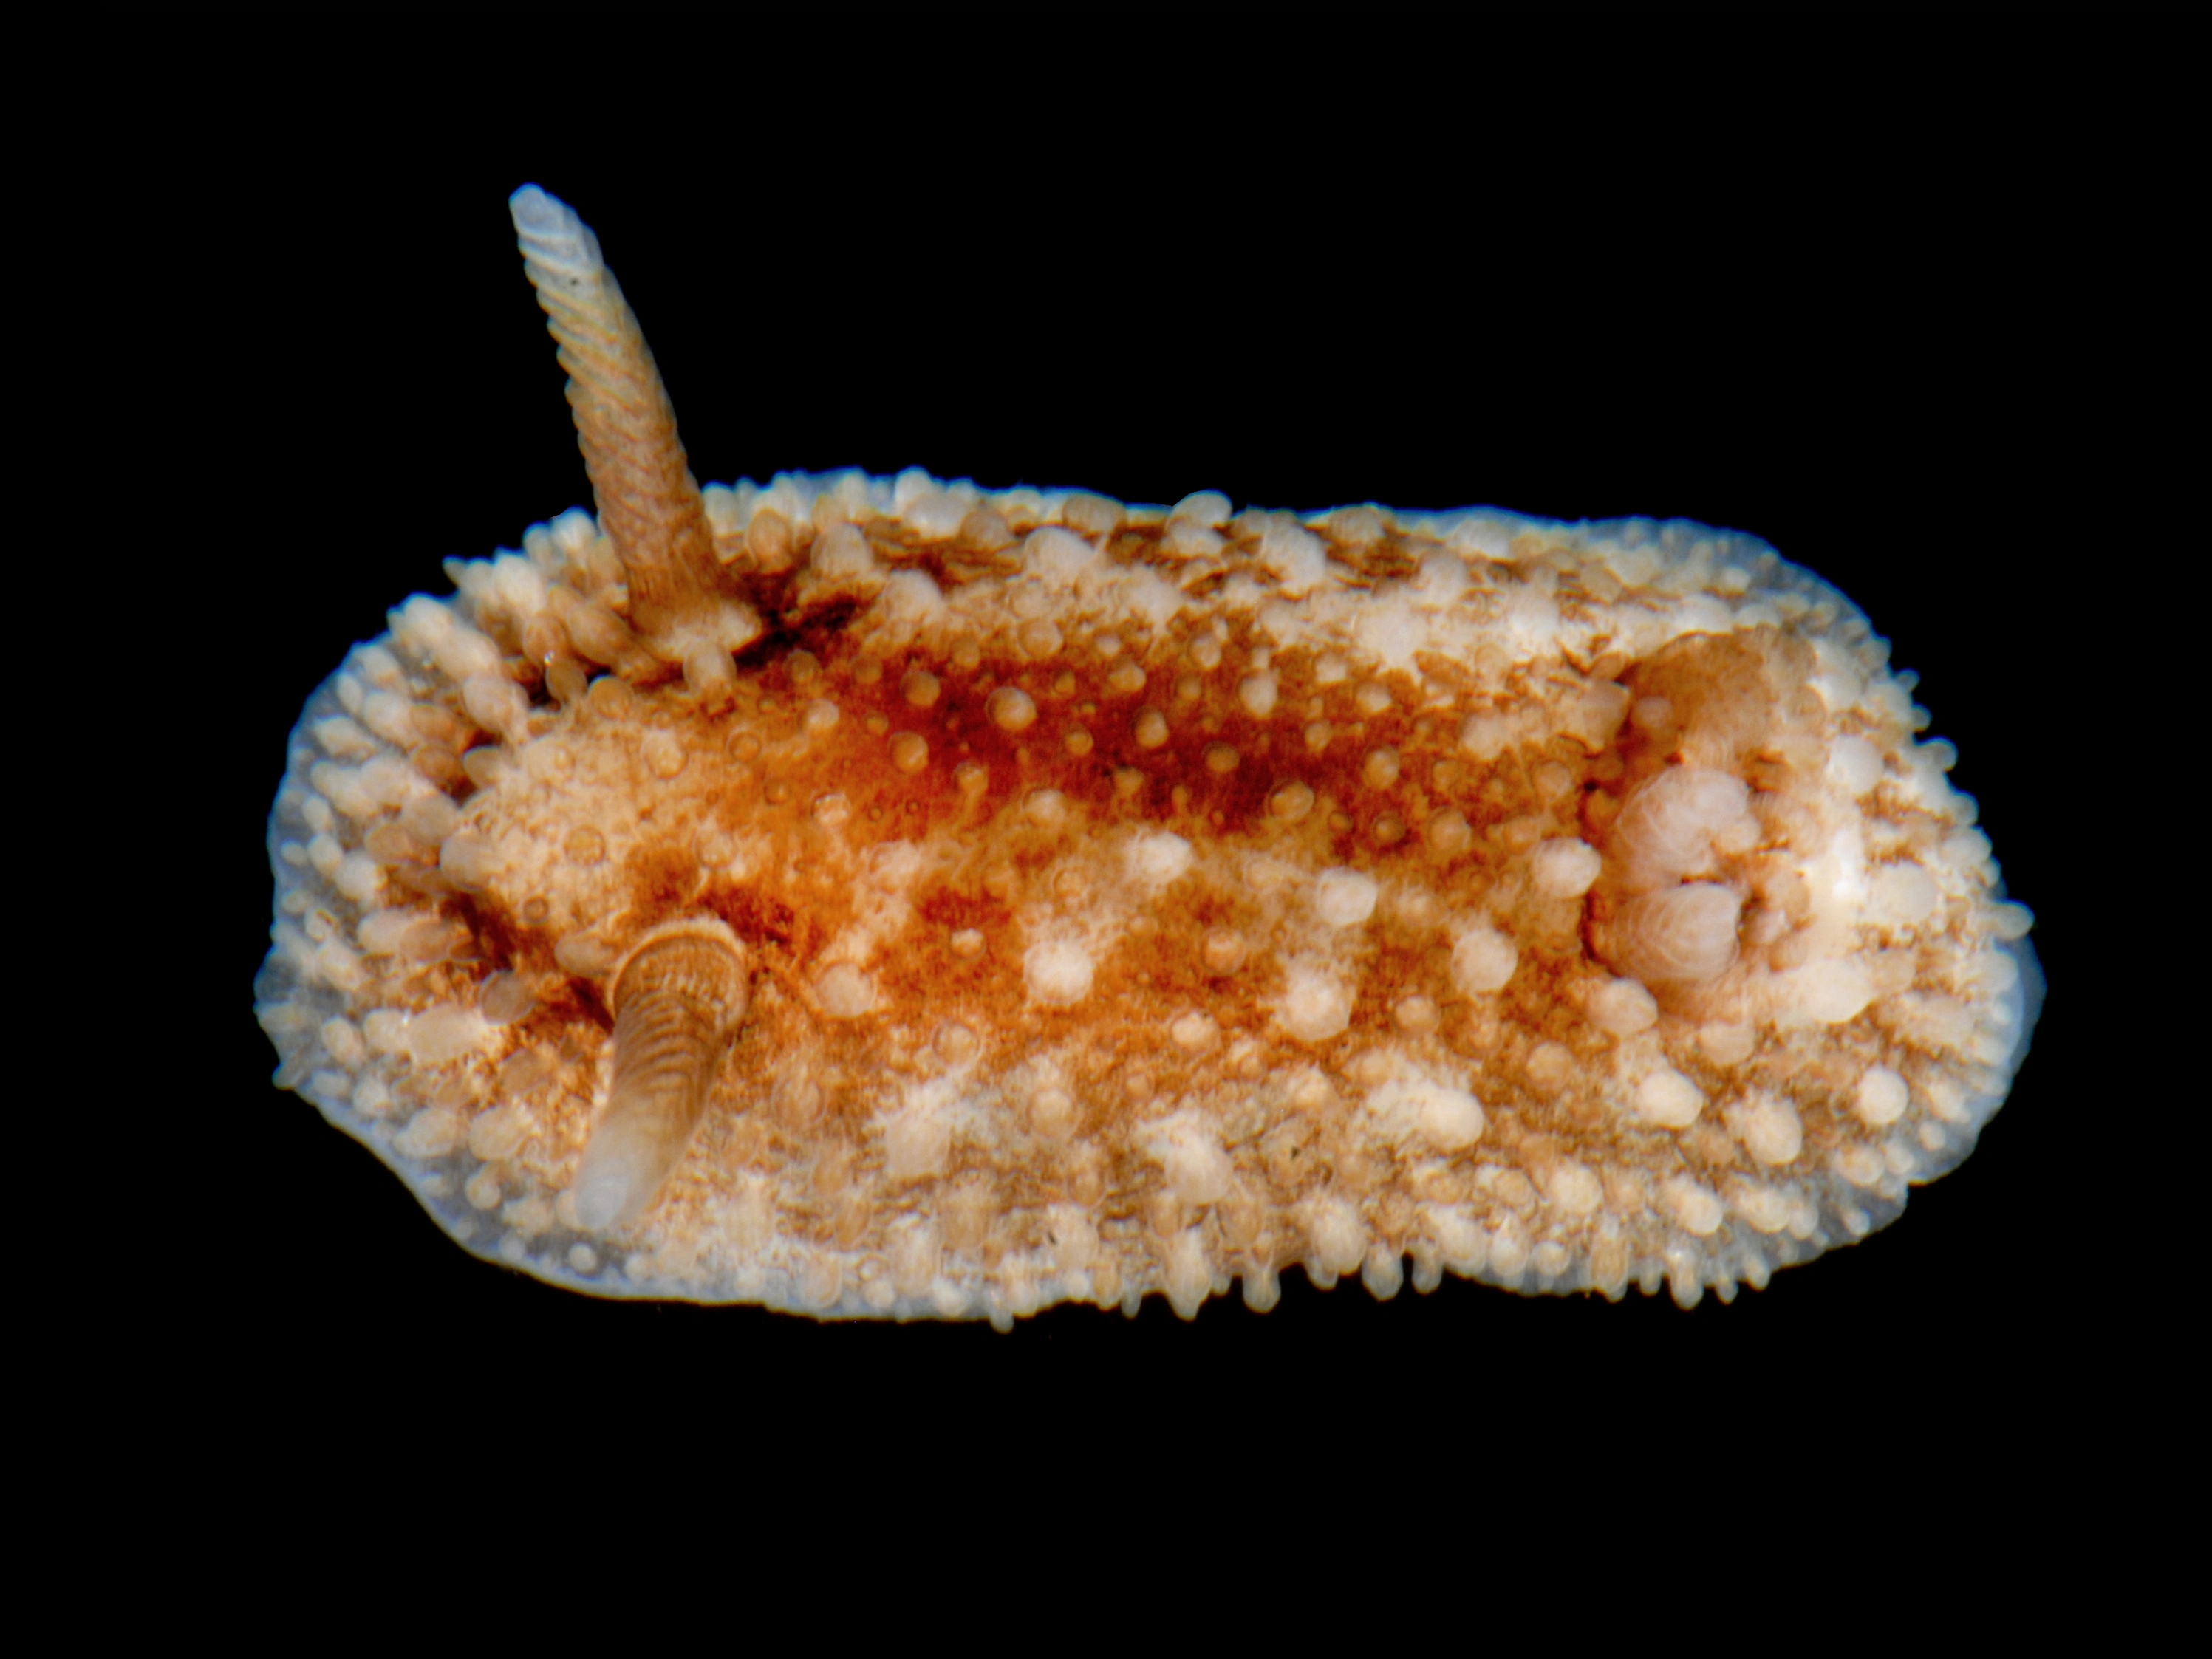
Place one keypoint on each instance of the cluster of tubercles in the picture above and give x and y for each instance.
(886, 896)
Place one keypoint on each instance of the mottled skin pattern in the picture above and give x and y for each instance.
(930, 1088)
(1130, 901)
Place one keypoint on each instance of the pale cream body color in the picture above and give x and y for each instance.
(1010, 897)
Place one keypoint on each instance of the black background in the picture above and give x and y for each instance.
(1875, 294)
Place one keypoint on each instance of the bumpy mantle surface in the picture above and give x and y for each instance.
(869, 895)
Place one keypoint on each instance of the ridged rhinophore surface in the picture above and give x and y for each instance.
(1050, 899)
(649, 506)
(678, 1000)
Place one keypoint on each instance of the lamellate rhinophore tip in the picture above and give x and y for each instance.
(649, 505)
(678, 1000)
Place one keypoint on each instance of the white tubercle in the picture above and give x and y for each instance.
(1565, 868)
(1315, 1005)
(1058, 971)
(1156, 857)
(1344, 898)
(1483, 959)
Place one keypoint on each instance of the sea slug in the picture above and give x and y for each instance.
(891, 896)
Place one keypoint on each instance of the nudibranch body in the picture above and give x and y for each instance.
(890, 896)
